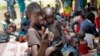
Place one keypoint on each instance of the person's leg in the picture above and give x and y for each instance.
(13, 13)
(49, 50)
(22, 7)
(34, 50)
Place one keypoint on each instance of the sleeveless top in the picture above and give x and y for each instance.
(83, 48)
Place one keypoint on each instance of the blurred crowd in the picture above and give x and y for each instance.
(47, 31)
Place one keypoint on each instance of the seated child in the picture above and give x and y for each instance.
(71, 49)
(6, 23)
(83, 48)
(12, 31)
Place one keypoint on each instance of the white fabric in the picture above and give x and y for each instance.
(14, 48)
(89, 38)
(76, 18)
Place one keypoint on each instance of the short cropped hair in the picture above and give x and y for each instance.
(48, 11)
(34, 7)
(91, 16)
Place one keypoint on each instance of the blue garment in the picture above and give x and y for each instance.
(71, 49)
(21, 5)
(67, 3)
(24, 22)
(87, 24)
(10, 7)
(81, 4)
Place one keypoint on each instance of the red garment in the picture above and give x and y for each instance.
(66, 15)
(97, 21)
(83, 48)
(78, 28)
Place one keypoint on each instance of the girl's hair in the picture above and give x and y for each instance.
(91, 16)
(33, 7)
(81, 35)
(77, 13)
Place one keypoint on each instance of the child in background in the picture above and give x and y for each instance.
(13, 34)
(83, 44)
(71, 47)
(75, 44)
(6, 23)
(76, 22)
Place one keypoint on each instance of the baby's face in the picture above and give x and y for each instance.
(49, 19)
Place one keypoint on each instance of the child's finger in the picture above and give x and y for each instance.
(47, 30)
(51, 36)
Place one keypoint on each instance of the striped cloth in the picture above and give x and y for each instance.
(14, 48)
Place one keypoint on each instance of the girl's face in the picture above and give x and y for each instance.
(35, 18)
(80, 20)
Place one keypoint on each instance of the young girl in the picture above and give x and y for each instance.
(82, 45)
(34, 38)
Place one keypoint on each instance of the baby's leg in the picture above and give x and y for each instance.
(49, 50)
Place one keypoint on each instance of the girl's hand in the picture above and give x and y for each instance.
(48, 36)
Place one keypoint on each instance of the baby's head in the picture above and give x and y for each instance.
(49, 14)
